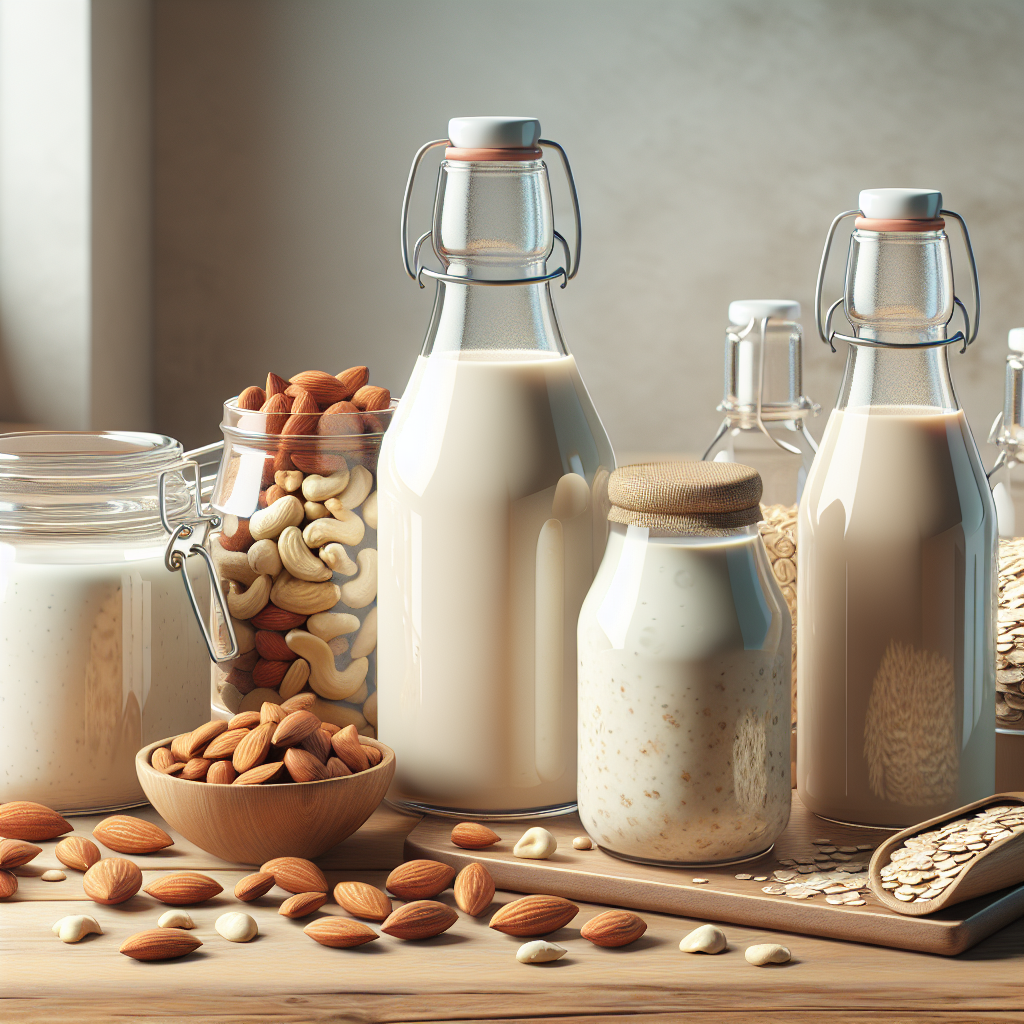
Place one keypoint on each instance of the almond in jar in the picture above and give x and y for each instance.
(684, 672)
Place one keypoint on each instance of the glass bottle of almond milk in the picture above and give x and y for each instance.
(896, 561)
(492, 486)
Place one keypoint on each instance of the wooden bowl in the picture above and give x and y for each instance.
(252, 824)
(1001, 865)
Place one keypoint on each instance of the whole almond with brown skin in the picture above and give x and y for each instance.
(318, 743)
(125, 834)
(295, 874)
(339, 932)
(224, 745)
(260, 774)
(273, 617)
(253, 748)
(162, 759)
(221, 773)
(253, 886)
(160, 944)
(373, 755)
(304, 417)
(422, 919)
(303, 766)
(370, 398)
(200, 738)
(347, 746)
(112, 880)
(337, 769)
(300, 702)
(269, 674)
(340, 419)
(325, 388)
(244, 720)
(614, 928)
(534, 915)
(196, 769)
(330, 728)
(179, 747)
(252, 398)
(302, 904)
(363, 900)
(353, 379)
(15, 852)
(420, 879)
(24, 819)
(77, 852)
(272, 713)
(271, 646)
(474, 889)
(276, 408)
(471, 835)
(295, 728)
(183, 888)
(8, 884)
(275, 385)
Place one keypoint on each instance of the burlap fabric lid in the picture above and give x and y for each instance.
(686, 497)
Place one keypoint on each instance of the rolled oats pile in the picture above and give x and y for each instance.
(1010, 638)
(778, 531)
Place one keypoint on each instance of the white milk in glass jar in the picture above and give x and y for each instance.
(99, 650)
(684, 672)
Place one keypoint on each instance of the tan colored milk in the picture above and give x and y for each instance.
(896, 628)
(489, 539)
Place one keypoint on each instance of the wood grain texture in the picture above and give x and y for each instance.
(998, 867)
(252, 824)
(469, 973)
(597, 876)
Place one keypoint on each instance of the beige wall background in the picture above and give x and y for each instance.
(712, 143)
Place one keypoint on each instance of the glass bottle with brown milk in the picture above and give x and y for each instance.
(896, 561)
(492, 488)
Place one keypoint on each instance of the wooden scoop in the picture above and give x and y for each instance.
(997, 867)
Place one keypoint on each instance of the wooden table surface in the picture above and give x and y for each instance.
(469, 973)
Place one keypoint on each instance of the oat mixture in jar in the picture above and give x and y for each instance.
(684, 672)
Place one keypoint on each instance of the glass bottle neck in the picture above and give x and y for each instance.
(902, 377)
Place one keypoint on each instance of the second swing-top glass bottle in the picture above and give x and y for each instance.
(493, 499)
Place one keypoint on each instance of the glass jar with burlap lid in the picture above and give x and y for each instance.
(704, 498)
(684, 672)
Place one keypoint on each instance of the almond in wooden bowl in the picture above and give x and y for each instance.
(253, 824)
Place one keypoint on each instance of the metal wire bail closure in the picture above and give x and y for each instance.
(412, 260)
(189, 538)
(967, 336)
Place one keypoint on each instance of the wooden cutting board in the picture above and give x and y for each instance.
(597, 877)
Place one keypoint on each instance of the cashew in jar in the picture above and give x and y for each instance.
(360, 695)
(289, 480)
(319, 488)
(328, 625)
(264, 558)
(294, 679)
(370, 709)
(335, 556)
(301, 596)
(315, 510)
(344, 529)
(359, 486)
(370, 511)
(233, 565)
(358, 593)
(298, 559)
(366, 641)
(324, 677)
(270, 521)
(244, 604)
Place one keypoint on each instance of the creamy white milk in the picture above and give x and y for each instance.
(489, 537)
(896, 628)
(684, 683)
(97, 659)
